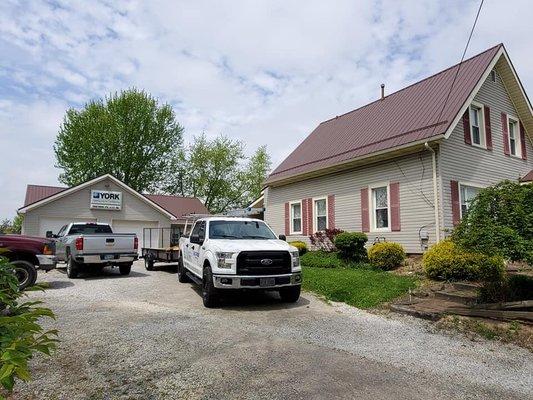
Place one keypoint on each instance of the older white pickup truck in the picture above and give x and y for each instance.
(238, 253)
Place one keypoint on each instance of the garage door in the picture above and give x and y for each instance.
(55, 224)
(122, 226)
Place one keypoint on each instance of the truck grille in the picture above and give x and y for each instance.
(256, 263)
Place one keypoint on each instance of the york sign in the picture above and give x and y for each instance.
(106, 200)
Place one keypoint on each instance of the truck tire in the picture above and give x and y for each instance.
(182, 277)
(25, 272)
(73, 268)
(148, 263)
(290, 294)
(125, 269)
(210, 295)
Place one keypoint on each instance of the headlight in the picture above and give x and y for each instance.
(295, 258)
(225, 259)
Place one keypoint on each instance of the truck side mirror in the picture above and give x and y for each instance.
(195, 239)
(282, 237)
(49, 234)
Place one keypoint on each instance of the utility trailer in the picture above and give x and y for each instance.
(160, 245)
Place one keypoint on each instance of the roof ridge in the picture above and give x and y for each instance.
(413, 84)
(170, 195)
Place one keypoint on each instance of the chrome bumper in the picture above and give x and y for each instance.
(257, 282)
(46, 262)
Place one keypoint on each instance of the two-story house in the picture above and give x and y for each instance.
(404, 168)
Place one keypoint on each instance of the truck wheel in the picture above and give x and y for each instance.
(148, 264)
(290, 294)
(182, 277)
(25, 272)
(125, 269)
(73, 268)
(210, 294)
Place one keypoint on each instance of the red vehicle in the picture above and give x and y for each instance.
(28, 254)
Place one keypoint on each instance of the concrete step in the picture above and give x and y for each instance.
(458, 296)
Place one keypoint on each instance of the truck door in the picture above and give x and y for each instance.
(196, 248)
(60, 243)
(188, 250)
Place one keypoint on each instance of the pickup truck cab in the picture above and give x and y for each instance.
(94, 245)
(224, 253)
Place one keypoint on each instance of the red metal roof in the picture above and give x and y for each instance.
(408, 115)
(528, 177)
(176, 205)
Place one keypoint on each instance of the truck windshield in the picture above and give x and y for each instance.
(88, 229)
(239, 230)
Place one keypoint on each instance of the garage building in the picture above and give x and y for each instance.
(106, 200)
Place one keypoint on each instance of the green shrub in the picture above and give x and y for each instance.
(321, 259)
(509, 288)
(324, 240)
(351, 245)
(386, 255)
(445, 260)
(301, 246)
(20, 333)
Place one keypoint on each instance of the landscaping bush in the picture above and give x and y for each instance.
(324, 241)
(386, 255)
(445, 260)
(20, 333)
(301, 246)
(509, 288)
(321, 259)
(351, 245)
(499, 222)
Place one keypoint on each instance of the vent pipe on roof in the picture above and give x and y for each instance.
(382, 91)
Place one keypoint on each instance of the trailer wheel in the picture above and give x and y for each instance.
(148, 263)
(182, 277)
(25, 272)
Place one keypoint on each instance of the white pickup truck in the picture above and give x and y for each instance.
(238, 253)
(95, 246)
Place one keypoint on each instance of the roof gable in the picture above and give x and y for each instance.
(408, 116)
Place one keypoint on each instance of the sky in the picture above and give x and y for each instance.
(265, 72)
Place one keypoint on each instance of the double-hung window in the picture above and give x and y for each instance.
(476, 125)
(380, 207)
(514, 137)
(321, 214)
(296, 217)
(467, 193)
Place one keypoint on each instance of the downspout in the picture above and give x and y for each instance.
(435, 190)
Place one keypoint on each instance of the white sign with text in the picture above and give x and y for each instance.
(106, 200)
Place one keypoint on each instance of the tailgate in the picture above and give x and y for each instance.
(109, 243)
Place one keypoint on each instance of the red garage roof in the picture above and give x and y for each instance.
(175, 205)
(406, 116)
(528, 177)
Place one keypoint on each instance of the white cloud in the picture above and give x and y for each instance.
(266, 71)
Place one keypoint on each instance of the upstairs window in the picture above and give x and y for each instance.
(467, 193)
(380, 208)
(514, 138)
(321, 214)
(296, 217)
(476, 125)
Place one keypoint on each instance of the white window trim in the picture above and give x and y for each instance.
(518, 138)
(463, 183)
(315, 216)
(372, 209)
(482, 133)
(291, 222)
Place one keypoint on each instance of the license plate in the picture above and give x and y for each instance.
(109, 257)
(265, 282)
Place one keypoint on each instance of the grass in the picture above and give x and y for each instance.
(363, 288)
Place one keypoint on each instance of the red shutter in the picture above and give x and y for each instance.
(310, 228)
(456, 206)
(505, 130)
(331, 211)
(287, 219)
(304, 217)
(466, 126)
(488, 129)
(365, 216)
(523, 141)
(394, 192)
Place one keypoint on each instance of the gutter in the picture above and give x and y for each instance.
(435, 189)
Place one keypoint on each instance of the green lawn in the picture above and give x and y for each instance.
(361, 288)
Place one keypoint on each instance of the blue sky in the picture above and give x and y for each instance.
(266, 72)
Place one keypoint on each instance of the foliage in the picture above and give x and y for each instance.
(445, 260)
(218, 172)
(321, 259)
(301, 246)
(15, 226)
(324, 240)
(127, 134)
(386, 255)
(507, 288)
(351, 245)
(358, 287)
(499, 222)
(20, 333)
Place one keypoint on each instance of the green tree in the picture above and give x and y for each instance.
(219, 173)
(16, 225)
(128, 134)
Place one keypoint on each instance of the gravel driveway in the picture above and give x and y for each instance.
(147, 337)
